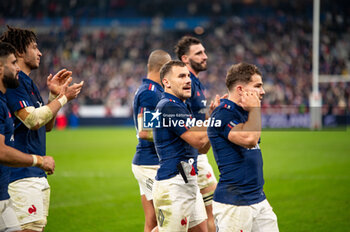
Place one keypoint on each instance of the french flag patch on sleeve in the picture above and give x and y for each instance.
(24, 104)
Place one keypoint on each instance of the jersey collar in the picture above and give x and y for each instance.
(24, 76)
(230, 105)
(173, 98)
(196, 80)
(149, 81)
(2, 97)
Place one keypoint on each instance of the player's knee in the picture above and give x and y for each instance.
(34, 226)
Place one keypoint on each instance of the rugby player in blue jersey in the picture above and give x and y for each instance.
(10, 157)
(28, 186)
(191, 51)
(146, 163)
(177, 200)
(239, 200)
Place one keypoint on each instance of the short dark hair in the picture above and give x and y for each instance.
(166, 68)
(6, 49)
(183, 45)
(19, 38)
(241, 72)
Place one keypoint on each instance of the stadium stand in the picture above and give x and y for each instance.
(106, 43)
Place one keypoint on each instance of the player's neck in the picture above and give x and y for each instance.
(234, 97)
(2, 88)
(154, 77)
(192, 71)
(23, 67)
(170, 91)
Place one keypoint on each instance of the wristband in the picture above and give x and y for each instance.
(35, 160)
(52, 97)
(38, 161)
(62, 100)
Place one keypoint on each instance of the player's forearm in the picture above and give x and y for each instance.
(197, 137)
(49, 126)
(14, 158)
(35, 118)
(253, 124)
(146, 135)
(51, 123)
(247, 134)
(205, 148)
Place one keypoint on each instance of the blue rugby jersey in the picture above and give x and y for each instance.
(146, 98)
(197, 101)
(170, 147)
(6, 129)
(241, 170)
(27, 141)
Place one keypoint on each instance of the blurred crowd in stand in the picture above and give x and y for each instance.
(278, 39)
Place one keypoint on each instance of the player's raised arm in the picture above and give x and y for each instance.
(34, 118)
(55, 84)
(246, 91)
(247, 134)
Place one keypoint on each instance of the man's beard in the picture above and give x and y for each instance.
(198, 67)
(10, 81)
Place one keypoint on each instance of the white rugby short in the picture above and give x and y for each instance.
(206, 175)
(251, 218)
(145, 175)
(8, 218)
(31, 200)
(178, 205)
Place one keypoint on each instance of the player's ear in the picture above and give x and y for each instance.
(19, 55)
(165, 82)
(184, 58)
(239, 89)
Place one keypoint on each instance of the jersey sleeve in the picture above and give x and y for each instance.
(18, 98)
(229, 120)
(147, 101)
(176, 118)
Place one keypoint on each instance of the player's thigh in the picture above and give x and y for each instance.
(8, 218)
(174, 203)
(145, 177)
(148, 207)
(202, 227)
(31, 200)
(206, 176)
(199, 212)
(232, 218)
(266, 219)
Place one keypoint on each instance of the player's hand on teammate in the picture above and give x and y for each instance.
(216, 102)
(55, 83)
(250, 100)
(48, 165)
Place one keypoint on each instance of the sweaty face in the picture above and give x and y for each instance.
(32, 56)
(11, 69)
(179, 82)
(197, 58)
(256, 85)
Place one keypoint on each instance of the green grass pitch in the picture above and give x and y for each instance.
(307, 180)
